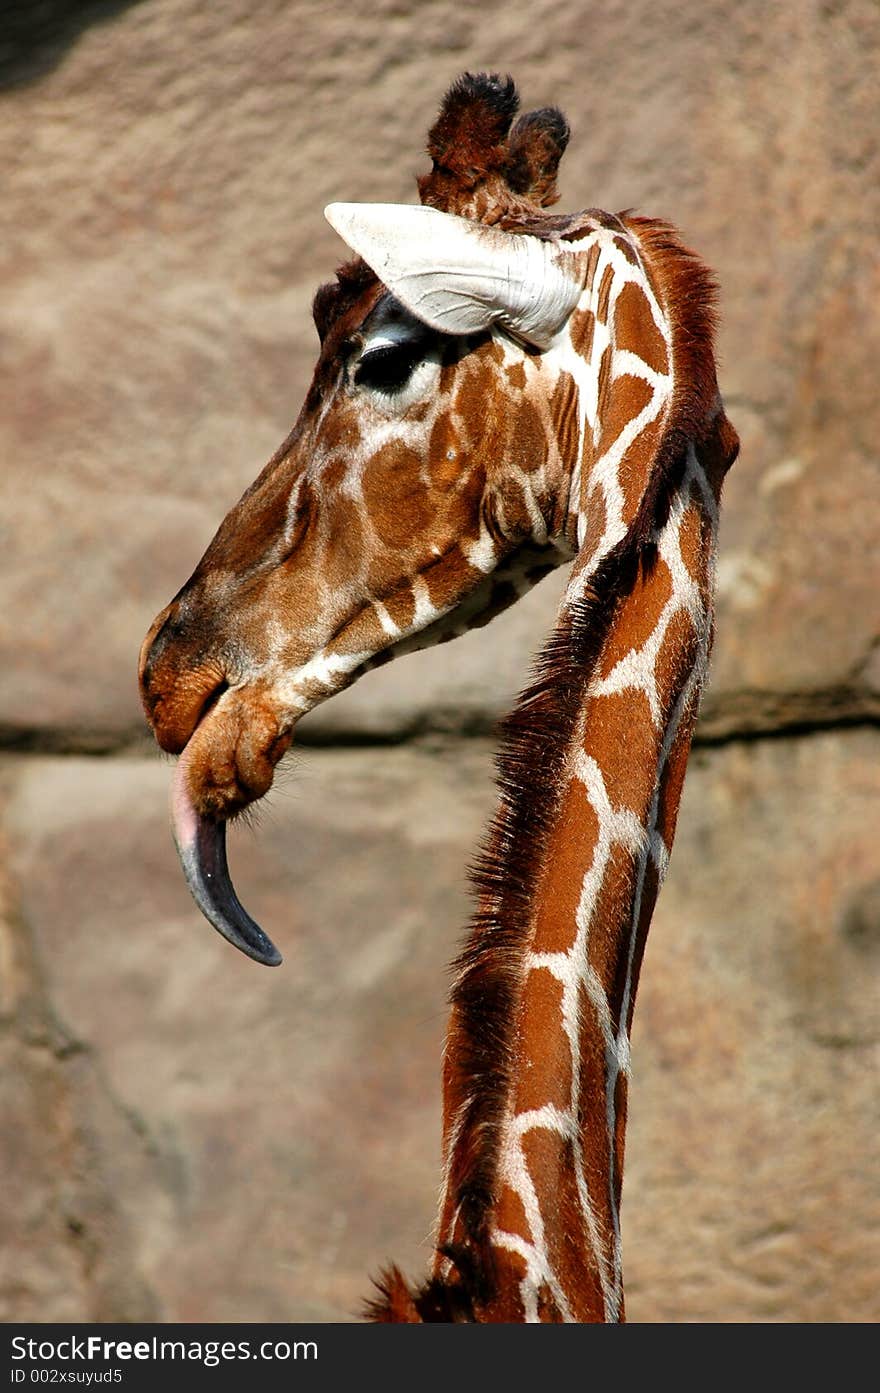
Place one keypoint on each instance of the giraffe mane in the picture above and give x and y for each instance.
(436, 1301)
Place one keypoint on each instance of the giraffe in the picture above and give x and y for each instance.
(499, 390)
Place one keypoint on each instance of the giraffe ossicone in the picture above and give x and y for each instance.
(499, 389)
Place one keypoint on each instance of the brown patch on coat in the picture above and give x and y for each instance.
(362, 634)
(443, 471)
(624, 398)
(597, 1155)
(529, 438)
(694, 539)
(717, 452)
(626, 248)
(564, 419)
(603, 377)
(596, 520)
(676, 657)
(672, 780)
(516, 376)
(604, 296)
(650, 891)
(479, 415)
(620, 732)
(636, 467)
(609, 943)
(448, 578)
(591, 263)
(571, 847)
(635, 330)
(582, 327)
(401, 606)
(510, 1216)
(550, 1155)
(544, 1076)
(632, 629)
(395, 498)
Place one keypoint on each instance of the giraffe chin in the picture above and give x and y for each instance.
(201, 846)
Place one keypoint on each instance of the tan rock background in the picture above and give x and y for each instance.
(184, 1136)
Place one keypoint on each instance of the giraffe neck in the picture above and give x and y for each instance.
(535, 1155)
(591, 771)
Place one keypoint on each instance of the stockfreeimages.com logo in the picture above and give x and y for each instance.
(94, 1349)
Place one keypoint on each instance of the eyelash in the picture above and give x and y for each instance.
(388, 368)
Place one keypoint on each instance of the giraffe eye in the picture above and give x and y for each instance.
(387, 368)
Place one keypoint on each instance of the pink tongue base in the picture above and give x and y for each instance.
(201, 846)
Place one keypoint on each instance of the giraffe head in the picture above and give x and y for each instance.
(423, 486)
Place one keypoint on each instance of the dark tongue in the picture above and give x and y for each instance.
(201, 846)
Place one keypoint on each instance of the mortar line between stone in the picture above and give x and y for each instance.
(106, 745)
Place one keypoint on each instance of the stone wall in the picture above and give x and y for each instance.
(189, 1137)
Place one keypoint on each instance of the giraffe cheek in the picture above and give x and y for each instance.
(444, 455)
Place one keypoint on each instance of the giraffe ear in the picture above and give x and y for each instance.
(461, 277)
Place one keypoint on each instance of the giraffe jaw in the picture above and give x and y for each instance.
(201, 846)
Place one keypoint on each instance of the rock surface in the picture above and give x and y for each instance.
(161, 237)
(220, 1142)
